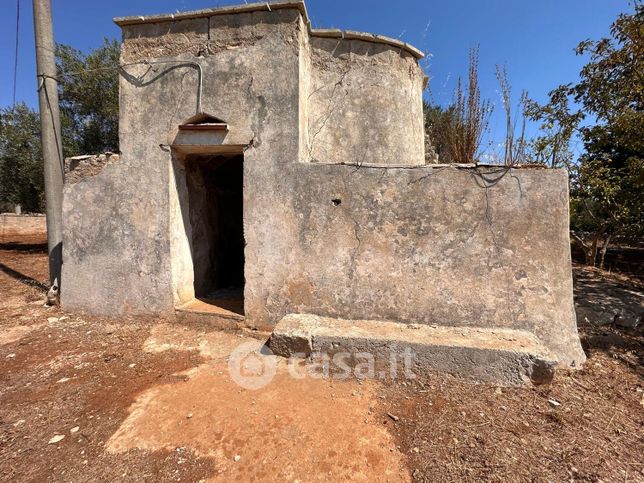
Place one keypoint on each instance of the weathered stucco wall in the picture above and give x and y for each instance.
(115, 241)
(123, 226)
(483, 247)
(364, 103)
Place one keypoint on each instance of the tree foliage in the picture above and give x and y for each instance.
(608, 184)
(21, 168)
(438, 120)
(88, 91)
(557, 127)
(607, 181)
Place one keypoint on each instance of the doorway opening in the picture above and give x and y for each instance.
(215, 208)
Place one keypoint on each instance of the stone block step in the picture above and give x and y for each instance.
(209, 314)
(491, 355)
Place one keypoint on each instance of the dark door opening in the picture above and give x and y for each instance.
(215, 198)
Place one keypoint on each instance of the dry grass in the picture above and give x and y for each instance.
(457, 131)
(446, 428)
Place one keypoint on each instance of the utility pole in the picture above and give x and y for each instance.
(52, 148)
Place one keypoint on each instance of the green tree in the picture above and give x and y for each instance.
(88, 85)
(557, 127)
(607, 182)
(438, 120)
(21, 169)
(88, 90)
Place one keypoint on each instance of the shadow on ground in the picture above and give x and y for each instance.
(24, 247)
(609, 315)
(22, 278)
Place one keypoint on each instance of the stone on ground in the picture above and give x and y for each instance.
(499, 356)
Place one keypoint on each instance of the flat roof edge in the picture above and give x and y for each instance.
(367, 37)
(268, 6)
(210, 12)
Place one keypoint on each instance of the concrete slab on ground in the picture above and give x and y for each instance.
(499, 356)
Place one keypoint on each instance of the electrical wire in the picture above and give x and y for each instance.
(15, 62)
(121, 69)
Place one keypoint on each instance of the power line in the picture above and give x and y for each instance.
(15, 63)
(120, 69)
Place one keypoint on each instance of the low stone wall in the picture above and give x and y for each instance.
(14, 227)
(484, 247)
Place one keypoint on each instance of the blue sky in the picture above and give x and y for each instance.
(534, 39)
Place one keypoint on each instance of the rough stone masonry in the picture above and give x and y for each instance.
(285, 164)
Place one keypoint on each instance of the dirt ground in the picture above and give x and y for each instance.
(144, 399)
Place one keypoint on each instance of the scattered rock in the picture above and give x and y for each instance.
(626, 319)
(392, 416)
(74, 429)
(51, 320)
(554, 402)
(189, 415)
(53, 295)
(237, 457)
(56, 439)
(61, 380)
(11, 356)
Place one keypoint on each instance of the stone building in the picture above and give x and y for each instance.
(269, 169)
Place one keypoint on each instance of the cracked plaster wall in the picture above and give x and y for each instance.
(418, 245)
(365, 104)
(485, 247)
(121, 226)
